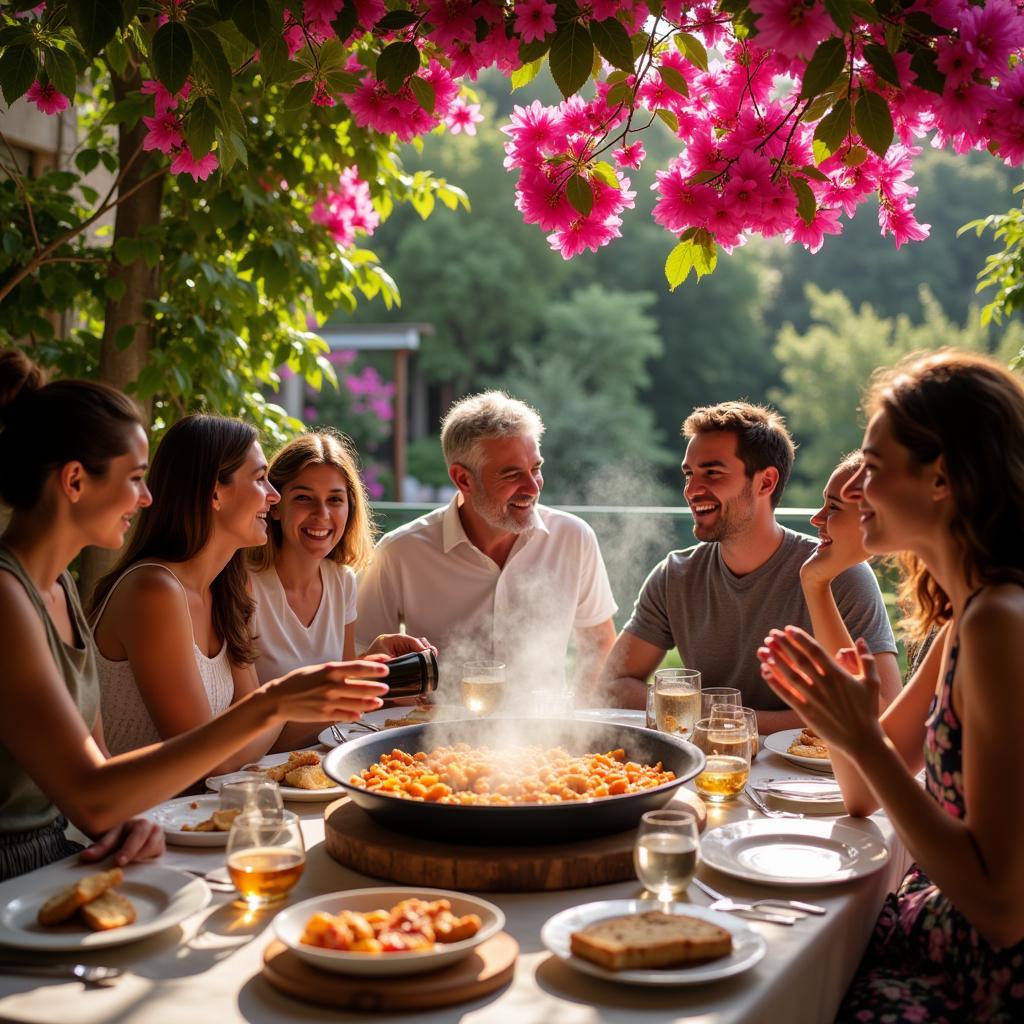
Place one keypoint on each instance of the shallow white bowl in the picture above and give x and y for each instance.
(290, 923)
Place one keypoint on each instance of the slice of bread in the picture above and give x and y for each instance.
(109, 910)
(60, 907)
(649, 940)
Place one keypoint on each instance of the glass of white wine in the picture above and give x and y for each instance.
(483, 686)
(726, 746)
(667, 852)
(718, 695)
(676, 700)
(266, 856)
(748, 715)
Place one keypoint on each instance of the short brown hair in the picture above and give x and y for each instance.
(762, 439)
(322, 448)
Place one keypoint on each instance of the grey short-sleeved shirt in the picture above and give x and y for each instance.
(692, 601)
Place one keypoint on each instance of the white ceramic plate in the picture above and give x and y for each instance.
(618, 716)
(288, 793)
(351, 730)
(811, 796)
(782, 851)
(188, 810)
(289, 924)
(162, 897)
(747, 946)
(779, 743)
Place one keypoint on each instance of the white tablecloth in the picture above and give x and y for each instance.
(208, 969)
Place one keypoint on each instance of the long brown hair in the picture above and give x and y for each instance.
(196, 454)
(969, 409)
(322, 448)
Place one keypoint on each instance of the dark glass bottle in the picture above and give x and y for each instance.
(412, 675)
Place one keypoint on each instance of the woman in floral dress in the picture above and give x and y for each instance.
(943, 484)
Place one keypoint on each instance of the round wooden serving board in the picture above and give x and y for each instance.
(485, 970)
(354, 839)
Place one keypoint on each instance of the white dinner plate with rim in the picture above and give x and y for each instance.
(187, 810)
(747, 946)
(288, 793)
(162, 898)
(351, 730)
(617, 716)
(779, 743)
(780, 851)
(289, 924)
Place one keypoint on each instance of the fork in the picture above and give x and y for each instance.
(85, 973)
(793, 905)
(756, 800)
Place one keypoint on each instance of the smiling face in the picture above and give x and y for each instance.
(900, 500)
(108, 502)
(838, 519)
(241, 505)
(313, 512)
(717, 488)
(503, 490)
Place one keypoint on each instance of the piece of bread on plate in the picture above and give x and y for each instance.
(650, 940)
(109, 910)
(59, 907)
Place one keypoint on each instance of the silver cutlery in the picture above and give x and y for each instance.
(86, 973)
(756, 800)
(792, 905)
(340, 737)
(216, 884)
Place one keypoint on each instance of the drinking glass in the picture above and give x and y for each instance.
(265, 856)
(667, 851)
(676, 693)
(748, 715)
(483, 685)
(726, 746)
(251, 796)
(718, 695)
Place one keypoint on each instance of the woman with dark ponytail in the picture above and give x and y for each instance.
(73, 456)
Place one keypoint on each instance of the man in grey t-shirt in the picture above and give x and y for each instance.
(718, 600)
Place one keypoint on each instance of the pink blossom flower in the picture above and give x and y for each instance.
(322, 96)
(630, 156)
(812, 236)
(896, 218)
(793, 27)
(185, 163)
(534, 19)
(46, 97)
(164, 133)
(464, 117)
(162, 99)
(346, 210)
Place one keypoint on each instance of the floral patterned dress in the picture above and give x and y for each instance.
(925, 962)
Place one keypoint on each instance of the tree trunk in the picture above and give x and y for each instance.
(120, 365)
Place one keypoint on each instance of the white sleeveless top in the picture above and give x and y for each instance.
(127, 724)
(283, 641)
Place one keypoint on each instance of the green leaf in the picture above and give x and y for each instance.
(530, 52)
(300, 95)
(95, 22)
(274, 62)
(865, 11)
(424, 93)
(855, 156)
(926, 70)
(345, 23)
(840, 13)
(214, 63)
(613, 43)
(893, 37)
(526, 74)
(620, 93)
(674, 79)
(18, 70)
(818, 107)
(833, 129)
(704, 253)
(199, 128)
(572, 53)
(874, 122)
(606, 173)
(124, 336)
(172, 55)
(881, 60)
(810, 171)
(580, 194)
(692, 49)
(806, 205)
(86, 160)
(253, 19)
(114, 288)
(640, 42)
(62, 71)
(396, 63)
(394, 20)
(678, 265)
(824, 67)
(670, 119)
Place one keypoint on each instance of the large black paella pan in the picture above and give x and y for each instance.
(523, 824)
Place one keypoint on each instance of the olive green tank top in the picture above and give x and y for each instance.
(23, 805)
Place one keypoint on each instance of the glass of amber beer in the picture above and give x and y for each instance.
(265, 856)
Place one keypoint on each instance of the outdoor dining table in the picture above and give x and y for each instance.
(209, 967)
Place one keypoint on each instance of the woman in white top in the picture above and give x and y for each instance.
(172, 619)
(303, 579)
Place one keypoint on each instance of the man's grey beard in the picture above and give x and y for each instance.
(497, 517)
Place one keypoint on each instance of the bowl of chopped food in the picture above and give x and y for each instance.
(505, 781)
(387, 931)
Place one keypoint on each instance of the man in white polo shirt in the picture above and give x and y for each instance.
(494, 575)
